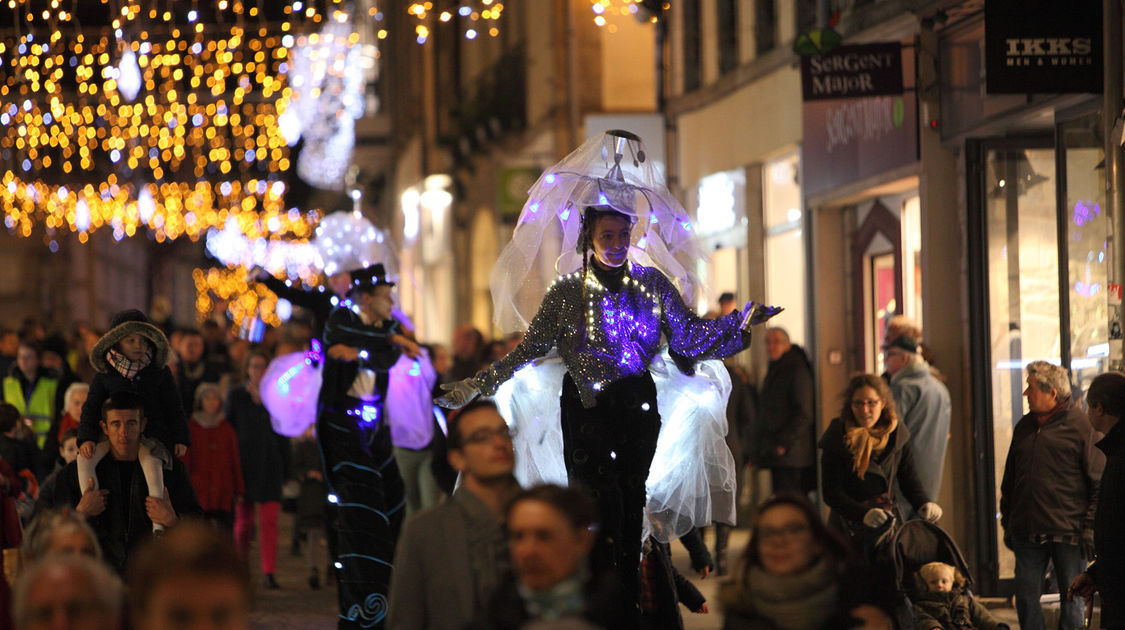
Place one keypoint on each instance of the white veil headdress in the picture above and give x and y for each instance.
(610, 169)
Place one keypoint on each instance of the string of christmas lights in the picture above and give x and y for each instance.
(155, 119)
(470, 13)
(603, 9)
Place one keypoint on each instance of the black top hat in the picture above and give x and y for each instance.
(369, 278)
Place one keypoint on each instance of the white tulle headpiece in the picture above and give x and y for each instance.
(610, 169)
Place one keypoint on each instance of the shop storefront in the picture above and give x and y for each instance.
(1037, 253)
(861, 170)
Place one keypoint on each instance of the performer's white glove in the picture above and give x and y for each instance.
(457, 394)
(929, 512)
(754, 313)
(875, 517)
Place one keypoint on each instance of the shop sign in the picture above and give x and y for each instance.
(848, 140)
(1043, 46)
(853, 72)
(512, 186)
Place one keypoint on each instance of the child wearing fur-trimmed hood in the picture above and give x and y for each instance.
(132, 357)
(943, 603)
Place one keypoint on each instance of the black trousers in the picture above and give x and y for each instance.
(360, 470)
(608, 450)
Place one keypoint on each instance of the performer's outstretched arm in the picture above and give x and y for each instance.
(693, 337)
(540, 338)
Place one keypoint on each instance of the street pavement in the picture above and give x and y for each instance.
(295, 606)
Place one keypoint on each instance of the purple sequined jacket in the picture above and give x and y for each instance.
(624, 331)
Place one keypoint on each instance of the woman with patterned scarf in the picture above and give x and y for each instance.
(866, 451)
(132, 357)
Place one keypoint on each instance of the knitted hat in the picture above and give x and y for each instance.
(902, 342)
(125, 323)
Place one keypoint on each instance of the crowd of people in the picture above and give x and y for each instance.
(495, 555)
(149, 456)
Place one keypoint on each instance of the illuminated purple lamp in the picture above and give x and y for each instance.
(289, 391)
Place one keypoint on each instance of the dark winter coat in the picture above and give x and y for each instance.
(189, 379)
(785, 414)
(952, 610)
(740, 413)
(603, 606)
(669, 589)
(852, 585)
(11, 533)
(1108, 570)
(849, 496)
(120, 531)
(264, 454)
(155, 386)
(310, 500)
(1050, 481)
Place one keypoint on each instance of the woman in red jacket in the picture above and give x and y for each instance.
(213, 461)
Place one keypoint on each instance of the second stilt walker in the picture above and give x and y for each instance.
(627, 248)
(362, 343)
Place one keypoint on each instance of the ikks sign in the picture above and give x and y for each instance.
(853, 72)
(1043, 46)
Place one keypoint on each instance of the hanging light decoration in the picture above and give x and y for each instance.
(477, 18)
(154, 120)
(328, 79)
(604, 10)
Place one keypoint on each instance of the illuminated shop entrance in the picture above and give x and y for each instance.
(1038, 262)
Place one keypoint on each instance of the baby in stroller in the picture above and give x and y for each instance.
(942, 602)
(921, 575)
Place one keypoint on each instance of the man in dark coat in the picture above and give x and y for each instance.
(121, 512)
(1106, 401)
(782, 434)
(363, 342)
(1049, 492)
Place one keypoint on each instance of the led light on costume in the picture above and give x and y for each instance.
(603, 336)
(290, 388)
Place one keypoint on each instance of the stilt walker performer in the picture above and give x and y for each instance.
(362, 343)
(627, 254)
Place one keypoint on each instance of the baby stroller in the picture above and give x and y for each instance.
(899, 556)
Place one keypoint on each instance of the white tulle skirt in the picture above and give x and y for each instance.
(691, 481)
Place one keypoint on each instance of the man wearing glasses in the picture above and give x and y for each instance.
(452, 556)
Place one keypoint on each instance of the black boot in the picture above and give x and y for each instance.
(314, 580)
(270, 583)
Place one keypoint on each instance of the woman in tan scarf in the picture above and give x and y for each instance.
(795, 575)
(866, 451)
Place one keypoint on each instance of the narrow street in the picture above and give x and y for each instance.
(295, 606)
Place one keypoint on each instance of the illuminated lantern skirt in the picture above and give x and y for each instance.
(691, 480)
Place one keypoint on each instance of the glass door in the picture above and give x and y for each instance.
(1082, 197)
(1023, 287)
(1038, 255)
